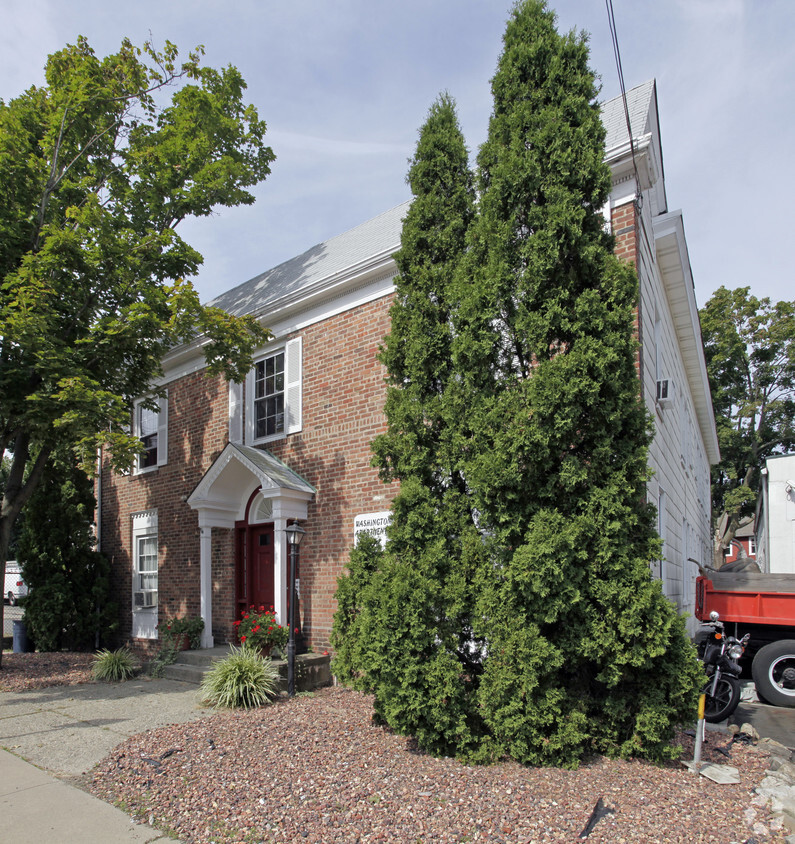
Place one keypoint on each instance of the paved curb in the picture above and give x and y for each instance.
(36, 807)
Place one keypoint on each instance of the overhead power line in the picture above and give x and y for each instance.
(617, 53)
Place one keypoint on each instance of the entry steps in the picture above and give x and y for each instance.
(311, 670)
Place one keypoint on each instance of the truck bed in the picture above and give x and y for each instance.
(747, 596)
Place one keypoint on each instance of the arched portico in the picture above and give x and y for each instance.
(223, 498)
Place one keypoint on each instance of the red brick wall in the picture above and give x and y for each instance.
(624, 231)
(343, 394)
(624, 224)
(198, 426)
(343, 386)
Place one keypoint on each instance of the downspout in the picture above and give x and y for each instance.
(764, 509)
(98, 530)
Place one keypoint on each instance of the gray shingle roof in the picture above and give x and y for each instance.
(381, 235)
(614, 118)
(280, 473)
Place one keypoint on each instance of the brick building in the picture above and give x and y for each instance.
(199, 526)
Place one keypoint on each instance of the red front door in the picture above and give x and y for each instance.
(260, 585)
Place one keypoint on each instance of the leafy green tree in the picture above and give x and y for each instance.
(69, 604)
(531, 517)
(5, 467)
(97, 170)
(749, 345)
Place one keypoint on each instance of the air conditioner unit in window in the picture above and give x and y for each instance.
(145, 599)
(665, 391)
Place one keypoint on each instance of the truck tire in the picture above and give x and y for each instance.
(773, 670)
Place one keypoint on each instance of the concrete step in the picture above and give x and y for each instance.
(186, 673)
(203, 656)
(311, 670)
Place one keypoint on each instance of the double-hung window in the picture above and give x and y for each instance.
(145, 574)
(273, 396)
(146, 564)
(269, 396)
(151, 426)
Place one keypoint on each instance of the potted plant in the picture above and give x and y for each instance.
(183, 632)
(258, 628)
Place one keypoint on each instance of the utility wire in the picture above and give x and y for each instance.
(614, 37)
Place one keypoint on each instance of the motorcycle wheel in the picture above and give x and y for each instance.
(727, 696)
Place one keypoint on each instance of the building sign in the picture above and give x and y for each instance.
(373, 523)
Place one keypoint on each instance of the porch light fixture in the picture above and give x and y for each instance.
(295, 533)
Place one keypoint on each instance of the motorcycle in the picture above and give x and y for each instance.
(720, 655)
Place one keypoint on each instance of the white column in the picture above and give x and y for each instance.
(280, 568)
(206, 580)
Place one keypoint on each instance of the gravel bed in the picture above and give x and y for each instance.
(22, 672)
(316, 769)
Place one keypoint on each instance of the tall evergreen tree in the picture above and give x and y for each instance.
(69, 604)
(513, 611)
(418, 351)
(584, 652)
(404, 627)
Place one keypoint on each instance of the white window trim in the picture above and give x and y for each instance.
(293, 392)
(144, 525)
(162, 434)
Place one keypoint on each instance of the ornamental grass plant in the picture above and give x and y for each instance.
(242, 680)
(114, 666)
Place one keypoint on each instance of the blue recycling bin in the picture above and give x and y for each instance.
(22, 645)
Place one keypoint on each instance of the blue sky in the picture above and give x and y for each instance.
(344, 85)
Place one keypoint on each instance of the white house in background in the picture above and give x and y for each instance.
(775, 516)
(671, 363)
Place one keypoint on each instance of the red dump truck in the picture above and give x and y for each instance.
(764, 606)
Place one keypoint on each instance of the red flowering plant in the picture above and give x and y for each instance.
(257, 628)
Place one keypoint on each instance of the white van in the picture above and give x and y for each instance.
(15, 587)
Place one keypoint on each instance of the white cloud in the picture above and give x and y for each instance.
(345, 85)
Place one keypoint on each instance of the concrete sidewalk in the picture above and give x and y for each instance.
(49, 736)
(37, 807)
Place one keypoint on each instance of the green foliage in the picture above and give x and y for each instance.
(166, 655)
(749, 346)
(114, 666)
(513, 612)
(348, 637)
(403, 629)
(97, 170)
(69, 604)
(175, 629)
(244, 679)
(417, 352)
(5, 466)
